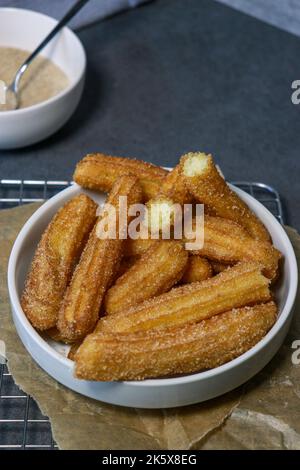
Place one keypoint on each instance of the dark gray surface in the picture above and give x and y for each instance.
(175, 76)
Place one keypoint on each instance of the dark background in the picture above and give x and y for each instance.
(175, 76)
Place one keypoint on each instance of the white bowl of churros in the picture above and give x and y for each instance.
(181, 295)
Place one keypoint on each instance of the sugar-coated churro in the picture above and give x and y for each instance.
(159, 268)
(174, 187)
(99, 172)
(96, 271)
(197, 269)
(241, 285)
(194, 347)
(226, 242)
(208, 187)
(137, 247)
(55, 259)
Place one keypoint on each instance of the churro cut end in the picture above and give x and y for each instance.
(195, 163)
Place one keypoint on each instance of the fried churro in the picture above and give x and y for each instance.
(137, 247)
(192, 348)
(161, 266)
(241, 285)
(55, 259)
(208, 187)
(197, 269)
(99, 172)
(226, 242)
(95, 271)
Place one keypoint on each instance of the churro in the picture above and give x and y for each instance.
(208, 187)
(173, 187)
(95, 271)
(55, 259)
(197, 269)
(137, 247)
(227, 242)
(161, 266)
(99, 172)
(241, 285)
(192, 348)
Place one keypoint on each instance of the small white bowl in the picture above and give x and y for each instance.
(24, 29)
(158, 393)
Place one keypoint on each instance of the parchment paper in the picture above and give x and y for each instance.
(263, 414)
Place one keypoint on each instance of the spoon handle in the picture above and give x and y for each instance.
(66, 18)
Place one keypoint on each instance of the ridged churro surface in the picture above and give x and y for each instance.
(55, 259)
(159, 268)
(197, 269)
(173, 187)
(227, 242)
(208, 187)
(137, 247)
(241, 285)
(185, 350)
(99, 172)
(95, 271)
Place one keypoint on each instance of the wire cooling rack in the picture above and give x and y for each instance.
(22, 425)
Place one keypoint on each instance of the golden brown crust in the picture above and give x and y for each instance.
(173, 187)
(227, 242)
(137, 247)
(197, 269)
(55, 259)
(159, 268)
(95, 271)
(208, 187)
(185, 350)
(236, 287)
(99, 172)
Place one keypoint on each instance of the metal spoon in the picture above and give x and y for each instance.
(12, 90)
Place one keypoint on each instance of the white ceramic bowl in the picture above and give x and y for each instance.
(158, 393)
(24, 29)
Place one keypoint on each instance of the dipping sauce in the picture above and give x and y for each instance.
(41, 81)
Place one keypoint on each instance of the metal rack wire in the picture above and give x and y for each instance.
(22, 425)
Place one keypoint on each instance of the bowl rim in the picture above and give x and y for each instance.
(70, 86)
(173, 381)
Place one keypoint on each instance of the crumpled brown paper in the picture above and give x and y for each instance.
(263, 414)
